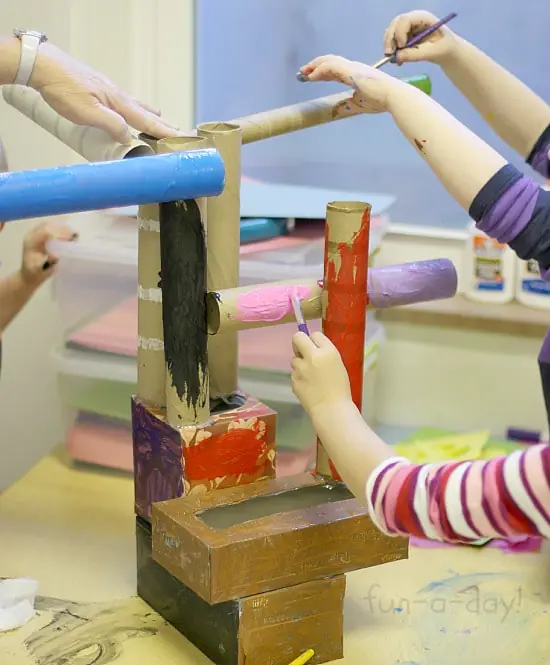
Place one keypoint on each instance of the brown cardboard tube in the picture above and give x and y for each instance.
(182, 408)
(319, 111)
(224, 219)
(151, 372)
(93, 144)
(387, 286)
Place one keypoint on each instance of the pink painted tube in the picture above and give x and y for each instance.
(270, 304)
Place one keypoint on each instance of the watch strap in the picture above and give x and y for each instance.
(30, 43)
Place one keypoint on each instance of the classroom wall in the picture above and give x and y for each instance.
(131, 42)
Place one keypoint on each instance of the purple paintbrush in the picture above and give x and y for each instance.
(302, 325)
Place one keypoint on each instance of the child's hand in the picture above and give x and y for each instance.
(371, 85)
(37, 264)
(319, 378)
(435, 48)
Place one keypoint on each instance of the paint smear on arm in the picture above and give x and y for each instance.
(270, 303)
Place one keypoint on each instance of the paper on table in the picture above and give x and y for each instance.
(17, 597)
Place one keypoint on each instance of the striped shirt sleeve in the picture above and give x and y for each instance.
(462, 502)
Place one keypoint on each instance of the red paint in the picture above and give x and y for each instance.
(346, 312)
(229, 453)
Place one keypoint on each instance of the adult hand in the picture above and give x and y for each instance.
(86, 97)
(37, 263)
(436, 48)
(319, 378)
(371, 86)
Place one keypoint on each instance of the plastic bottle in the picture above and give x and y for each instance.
(531, 289)
(489, 269)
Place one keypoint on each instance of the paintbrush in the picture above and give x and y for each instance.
(304, 658)
(302, 325)
(413, 41)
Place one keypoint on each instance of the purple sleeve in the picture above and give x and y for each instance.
(538, 157)
(514, 210)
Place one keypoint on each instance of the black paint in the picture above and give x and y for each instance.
(213, 629)
(227, 402)
(183, 283)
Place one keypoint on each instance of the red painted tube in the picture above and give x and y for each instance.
(345, 296)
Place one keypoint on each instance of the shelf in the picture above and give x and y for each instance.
(458, 312)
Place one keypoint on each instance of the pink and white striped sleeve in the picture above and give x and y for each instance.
(464, 501)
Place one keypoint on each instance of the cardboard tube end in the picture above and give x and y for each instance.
(213, 313)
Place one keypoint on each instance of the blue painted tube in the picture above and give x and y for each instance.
(84, 187)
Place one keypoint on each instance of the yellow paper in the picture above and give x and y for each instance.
(459, 447)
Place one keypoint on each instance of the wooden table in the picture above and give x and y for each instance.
(73, 531)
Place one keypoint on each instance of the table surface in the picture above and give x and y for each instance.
(72, 529)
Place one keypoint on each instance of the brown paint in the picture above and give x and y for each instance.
(278, 626)
(270, 552)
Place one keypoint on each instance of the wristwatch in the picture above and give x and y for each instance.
(30, 43)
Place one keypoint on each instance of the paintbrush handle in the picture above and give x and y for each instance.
(421, 36)
(416, 39)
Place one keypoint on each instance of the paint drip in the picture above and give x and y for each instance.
(183, 283)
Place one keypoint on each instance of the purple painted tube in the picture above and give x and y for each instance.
(408, 283)
(524, 435)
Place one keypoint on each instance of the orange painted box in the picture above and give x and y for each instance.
(265, 536)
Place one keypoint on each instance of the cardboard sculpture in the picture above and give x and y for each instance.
(249, 567)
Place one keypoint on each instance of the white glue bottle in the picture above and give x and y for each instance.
(489, 268)
(531, 289)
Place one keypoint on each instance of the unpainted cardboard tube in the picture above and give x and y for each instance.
(91, 143)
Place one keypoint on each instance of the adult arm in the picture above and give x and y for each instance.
(82, 95)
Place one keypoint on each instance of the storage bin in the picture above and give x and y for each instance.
(100, 386)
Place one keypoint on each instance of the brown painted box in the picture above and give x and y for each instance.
(266, 629)
(268, 535)
(237, 448)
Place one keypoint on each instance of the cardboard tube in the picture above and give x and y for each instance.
(224, 220)
(344, 297)
(93, 144)
(265, 305)
(183, 270)
(151, 367)
(307, 114)
(261, 305)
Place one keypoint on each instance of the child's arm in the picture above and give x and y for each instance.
(519, 116)
(15, 292)
(506, 205)
(37, 266)
(461, 502)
